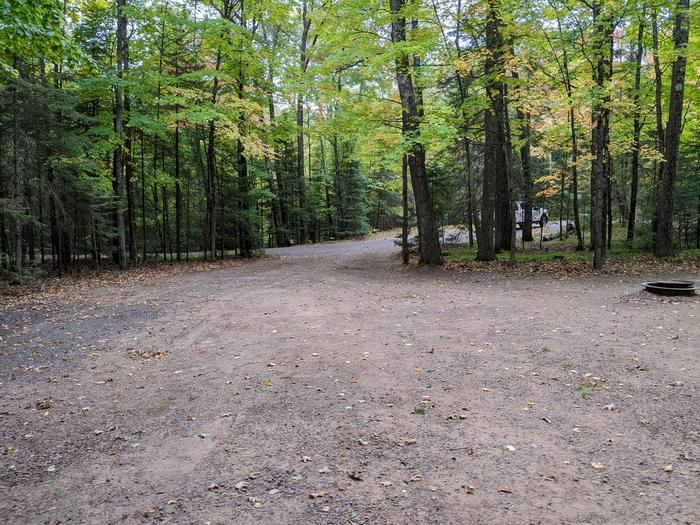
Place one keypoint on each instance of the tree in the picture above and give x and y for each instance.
(120, 253)
(663, 243)
(428, 240)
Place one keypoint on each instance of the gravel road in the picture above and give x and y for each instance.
(328, 385)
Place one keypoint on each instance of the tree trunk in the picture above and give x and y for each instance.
(600, 132)
(178, 190)
(211, 170)
(128, 164)
(428, 237)
(301, 182)
(636, 131)
(658, 88)
(118, 132)
(493, 141)
(663, 244)
(144, 250)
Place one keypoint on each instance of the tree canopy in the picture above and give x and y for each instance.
(137, 129)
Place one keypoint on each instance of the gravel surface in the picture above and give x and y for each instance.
(327, 384)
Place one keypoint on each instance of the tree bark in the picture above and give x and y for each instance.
(117, 167)
(600, 131)
(128, 163)
(663, 243)
(428, 237)
(301, 182)
(493, 139)
(636, 131)
(211, 170)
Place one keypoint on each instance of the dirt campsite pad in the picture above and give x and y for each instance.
(327, 384)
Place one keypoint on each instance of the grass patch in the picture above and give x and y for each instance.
(556, 251)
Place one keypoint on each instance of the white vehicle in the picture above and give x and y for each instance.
(539, 215)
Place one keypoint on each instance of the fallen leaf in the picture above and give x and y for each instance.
(609, 407)
(172, 501)
(213, 487)
(305, 459)
(505, 490)
(414, 479)
(241, 485)
(425, 398)
(45, 404)
(597, 465)
(354, 475)
(319, 494)
(362, 442)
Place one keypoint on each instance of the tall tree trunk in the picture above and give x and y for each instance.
(118, 132)
(144, 250)
(338, 186)
(500, 108)
(324, 175)
(178, 190)
(278, 221)
(658, 87)
(463, 95)
(493, 141)
(301, 182)
(245, 230)
(600, 132)
(636, 131)
(663, 244)
(566, 78)
(428, 237)
(211, 169)
(128, 164)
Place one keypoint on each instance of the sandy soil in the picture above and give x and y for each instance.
(327, 384)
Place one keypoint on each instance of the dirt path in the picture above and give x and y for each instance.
(312, 372)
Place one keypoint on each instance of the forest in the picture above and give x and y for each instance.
(135, 130)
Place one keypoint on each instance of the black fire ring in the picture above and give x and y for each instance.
(672, 287)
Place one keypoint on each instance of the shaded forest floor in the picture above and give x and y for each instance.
(327, 384)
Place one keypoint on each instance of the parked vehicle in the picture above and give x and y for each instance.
(539, 215)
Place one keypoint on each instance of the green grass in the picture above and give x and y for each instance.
(565, 250)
